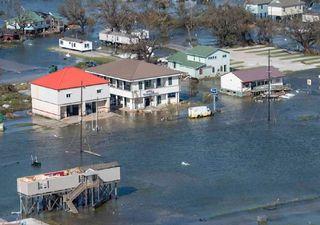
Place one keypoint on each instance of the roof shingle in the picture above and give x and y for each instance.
(130, 69)
(255, 74)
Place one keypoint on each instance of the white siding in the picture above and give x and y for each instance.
(73, 45)
(231, 82)
(48, 102)
(260, 11)
(218, 61)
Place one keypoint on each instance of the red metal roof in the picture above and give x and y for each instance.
(69, 77)
(255, 74)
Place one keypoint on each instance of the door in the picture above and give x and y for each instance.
(146, 102)
(159, 100)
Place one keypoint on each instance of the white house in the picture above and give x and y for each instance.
(109, 36)
(244, 82)
(312, 14)
(259, 8)
(278, 9)
(30, 21)
(201, 61)
(136, 84)
(75, 44)
(59, 94)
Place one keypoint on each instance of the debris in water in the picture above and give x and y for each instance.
(185, 163)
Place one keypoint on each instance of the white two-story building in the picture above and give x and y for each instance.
(278, 9)
(245, 82)
(59, 94)
(136, 84)
(109, 36)
(201, 61)
(259, 8)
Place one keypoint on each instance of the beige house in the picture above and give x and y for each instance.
(136, 84)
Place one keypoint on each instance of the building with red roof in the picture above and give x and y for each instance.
(58, 95)
(246, 82)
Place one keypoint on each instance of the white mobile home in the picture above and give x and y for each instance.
(75, 44)
(58, 95)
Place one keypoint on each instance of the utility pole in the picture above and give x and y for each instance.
(81, 118)
(269, 85)
(97, 128)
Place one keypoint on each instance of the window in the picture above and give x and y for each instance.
(213, 70)
(147, 84)
(170, 81)
(127, 86)
(224, 56)
(200, 71)
(174, 64)
(68, 95)
(61, 42)
(225, 68)
(158, 82)
(171, 95)
(140, 85)
(261, 6)
(99, 91)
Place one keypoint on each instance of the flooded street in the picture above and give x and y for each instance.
(237, 161)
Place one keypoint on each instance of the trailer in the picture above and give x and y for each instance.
(199, 111)
(75, 44)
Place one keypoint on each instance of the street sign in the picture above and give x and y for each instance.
(214, 91)
(309, 82)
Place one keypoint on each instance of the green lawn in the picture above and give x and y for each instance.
(248, 48)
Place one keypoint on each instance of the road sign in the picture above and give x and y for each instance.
(214, 91)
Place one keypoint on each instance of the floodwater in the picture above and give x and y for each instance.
(237, 162)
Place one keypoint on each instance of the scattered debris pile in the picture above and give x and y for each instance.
(12, 100)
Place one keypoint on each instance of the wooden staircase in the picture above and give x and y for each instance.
(68, 198)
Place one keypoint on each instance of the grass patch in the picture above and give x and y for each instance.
(10, 96)
(291, 56)
(97, 60)
(248, 48)
(259, 51)
(24, 124)
(308, 117)
(302, 59)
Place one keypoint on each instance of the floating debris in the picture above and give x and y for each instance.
(185, 163)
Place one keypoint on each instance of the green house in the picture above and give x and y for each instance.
(201, 61)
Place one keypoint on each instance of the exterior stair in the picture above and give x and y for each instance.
(68, 198)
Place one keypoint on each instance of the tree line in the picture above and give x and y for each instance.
(232, 25)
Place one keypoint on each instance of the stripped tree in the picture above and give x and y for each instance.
(75, 12)
(307, 34)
